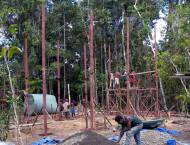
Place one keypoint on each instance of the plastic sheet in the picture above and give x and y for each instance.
(46, 140)
(172, 132)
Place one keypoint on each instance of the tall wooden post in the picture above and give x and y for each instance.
(150, 86)
(107, 72)
(64, 70)
(127, 65)
(26, 73)
(44, 69)
(58, 77)
(156, 75)
(85, 87)
(92, 71)
(109, 60)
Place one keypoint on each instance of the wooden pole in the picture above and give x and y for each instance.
(44, 69)
(64, 70)
(156, 75)
(109, 71)
(109, 60)
(26, 74)
(69, 94)
(150, 86)
(58, 77)
(85, 105)
(107, 75)
(92, 71)
(127, 67)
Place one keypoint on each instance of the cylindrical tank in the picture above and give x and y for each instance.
(36, 103)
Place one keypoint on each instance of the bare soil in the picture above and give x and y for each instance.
(66, 129)
(180, 124)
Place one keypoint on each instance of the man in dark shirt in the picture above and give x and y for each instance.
(131, 125)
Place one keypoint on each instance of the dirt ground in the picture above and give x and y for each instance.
(66, 128)
(180, 124)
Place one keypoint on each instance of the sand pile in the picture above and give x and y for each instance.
(88, 138)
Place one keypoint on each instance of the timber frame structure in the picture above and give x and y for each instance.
(139, 95)
(133, 97)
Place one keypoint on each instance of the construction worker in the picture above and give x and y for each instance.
(72, 108)
(112, 80)
(66, 108)
(131, 125)
(117, 76)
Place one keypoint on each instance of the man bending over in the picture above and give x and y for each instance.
(131, 125)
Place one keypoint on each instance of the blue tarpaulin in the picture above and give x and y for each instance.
(171, 142)
(172, 132)
(46, 140)
(114, 138)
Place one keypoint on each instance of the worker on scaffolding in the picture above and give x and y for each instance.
(123, 79)
(111, 80)
(116, 78)
(132, 79)
(131, 126)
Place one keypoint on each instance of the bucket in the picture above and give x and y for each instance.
(171, 142)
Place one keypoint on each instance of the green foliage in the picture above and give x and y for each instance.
(4, 124)
(12, 51)
(3, 52)
(13, 29)
(183, 98)
(35, 85)
(175, 48)
(12, 100)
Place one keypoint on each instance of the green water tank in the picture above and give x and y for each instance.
(36, 103)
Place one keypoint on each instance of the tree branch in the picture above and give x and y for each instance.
(14, 104)
(182, 82)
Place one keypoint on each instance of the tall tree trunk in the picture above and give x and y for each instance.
(48, 75)
(95, 82)
(44, 69)
(92, 71)
(58, 77)
(26, 73)
(106, 73)
(156, 74)
(85, 87)
(127, 67)
(102, 83)
(123, 35)
(64, 81)
(115, 48)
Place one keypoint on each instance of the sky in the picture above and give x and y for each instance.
(1, 37)
(160, 27)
